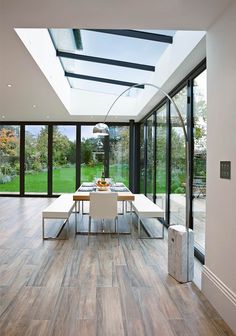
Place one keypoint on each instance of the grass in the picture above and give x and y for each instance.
(63, 179)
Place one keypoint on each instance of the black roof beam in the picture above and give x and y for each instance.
(137, 34)
(105, 61)
(102, 80)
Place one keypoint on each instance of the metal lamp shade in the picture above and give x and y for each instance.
(101, 129)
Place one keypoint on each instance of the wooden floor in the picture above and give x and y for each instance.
(69, 288)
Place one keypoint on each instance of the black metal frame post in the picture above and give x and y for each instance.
(106, 144)
(191, 145)
(168, 163)
(131, 155)
(154, 155)
(137, 159)
(50, 159)
(78, 156)
(145, 156)
(22, 160)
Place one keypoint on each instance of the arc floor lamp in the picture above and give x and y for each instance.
(103, 130)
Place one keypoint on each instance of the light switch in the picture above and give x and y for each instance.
(225, 169)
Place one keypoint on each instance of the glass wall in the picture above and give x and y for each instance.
(178, 160)
(92, 155)
(64, 159)
(161, 157)
(36, 159)
(170, 155)
(9, 159)
(199, 159)
(44, 173)
(150, 157)
(119, 154)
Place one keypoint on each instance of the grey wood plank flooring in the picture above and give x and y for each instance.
(68, 288)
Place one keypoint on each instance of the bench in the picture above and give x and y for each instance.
(145, 208)
(61, 208)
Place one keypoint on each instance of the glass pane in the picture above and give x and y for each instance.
(142, 158)
(178, 162)
(105, 70)
(9, 159)
(161, 157)
(150, 157)
(36, 159)
(119, 154)
(113, 89)
(92, 155)
(64, 157)
(199, 169)
(97, 44)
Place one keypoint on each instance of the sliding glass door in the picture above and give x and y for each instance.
(199, 159)
(161, 157)
(119, 154)
(36, 159)
(142, 158)
(9, 159)
(64, 159)
(92, 155)
(150, 157)
(178, 160)
(109, 154)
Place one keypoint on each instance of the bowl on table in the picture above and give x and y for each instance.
(102, 185)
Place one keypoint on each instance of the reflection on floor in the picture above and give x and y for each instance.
(69, 288)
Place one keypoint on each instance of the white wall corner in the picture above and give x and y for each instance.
(221, 297)
(40, 46)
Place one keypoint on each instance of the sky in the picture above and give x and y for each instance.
(69, 131)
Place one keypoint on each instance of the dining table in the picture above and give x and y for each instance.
(83, 194)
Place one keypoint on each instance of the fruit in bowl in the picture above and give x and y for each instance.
(101, 183)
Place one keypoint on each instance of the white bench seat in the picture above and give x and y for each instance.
(61, 208)
(145, 208)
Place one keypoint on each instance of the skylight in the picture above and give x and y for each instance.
(130, 60)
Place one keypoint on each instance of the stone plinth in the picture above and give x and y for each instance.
(177, 253)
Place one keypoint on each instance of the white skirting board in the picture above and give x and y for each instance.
(221, 297)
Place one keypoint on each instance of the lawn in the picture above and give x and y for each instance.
(63, 179)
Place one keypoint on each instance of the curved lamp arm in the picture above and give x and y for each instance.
(188, 182)
(159, 89)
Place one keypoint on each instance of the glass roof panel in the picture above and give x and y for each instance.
(107, 46)
(105, 70)
(81, 84)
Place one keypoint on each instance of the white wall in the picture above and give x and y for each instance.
(219, 276)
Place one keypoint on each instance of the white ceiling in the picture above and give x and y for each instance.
(30, 86)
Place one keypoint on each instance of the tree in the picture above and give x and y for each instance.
(86, 150)
(61, 147)
(8, 142)
(42, 146)
(9, 150)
